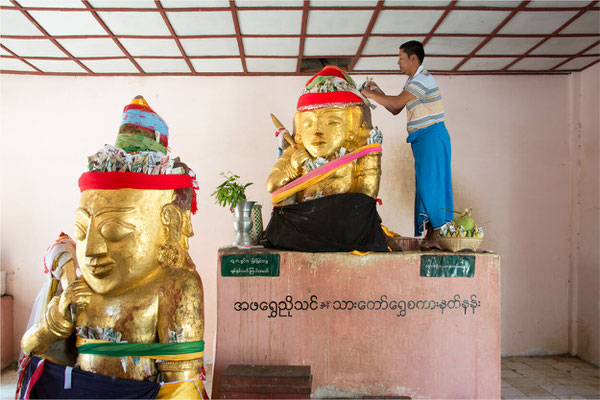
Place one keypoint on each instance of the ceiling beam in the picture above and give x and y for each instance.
(492, 34)
(365, 38)
(163, 14)
(589, 65)
(111, 35)
(575, 56)
(447, 11)
(19, 57)
(553, 34)
(238, 34)
(47, 36)
(302, 36)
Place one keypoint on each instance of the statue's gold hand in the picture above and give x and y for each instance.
(298, 158)
(78, 295)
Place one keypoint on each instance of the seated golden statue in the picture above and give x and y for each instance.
(137, 308)
(333, 166)
(332, 121)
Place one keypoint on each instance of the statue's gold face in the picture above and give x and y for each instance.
(325, 130)
(118, 234)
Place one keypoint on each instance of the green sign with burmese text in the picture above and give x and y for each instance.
(448, 266)
(250, 265)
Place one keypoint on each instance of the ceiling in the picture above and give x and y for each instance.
(294, 37)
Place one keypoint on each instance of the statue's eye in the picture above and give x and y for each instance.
(307, 123)
(115, 231)
(79, 231)
(333, 121)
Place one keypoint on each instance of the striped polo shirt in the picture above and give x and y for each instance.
(427, 108)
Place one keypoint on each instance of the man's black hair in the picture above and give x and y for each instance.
(414, 47)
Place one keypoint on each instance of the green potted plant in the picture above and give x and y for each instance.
(232, 193)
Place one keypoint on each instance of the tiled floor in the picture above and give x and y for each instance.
(8, 383)
(546, 377)
(549, 377)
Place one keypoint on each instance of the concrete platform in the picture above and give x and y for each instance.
(384, 324)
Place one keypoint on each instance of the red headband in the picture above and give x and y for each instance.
(327, 99)
(136, 180)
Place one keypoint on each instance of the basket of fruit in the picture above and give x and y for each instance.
(460, 234)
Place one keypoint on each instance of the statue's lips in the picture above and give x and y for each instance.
(101, 270)
(318, 143)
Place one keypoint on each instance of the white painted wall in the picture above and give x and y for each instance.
(587, 186)
(511, 163)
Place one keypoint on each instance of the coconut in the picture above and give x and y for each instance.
(465, 221)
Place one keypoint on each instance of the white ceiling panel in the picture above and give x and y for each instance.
(202, 23)
(577, 63)
(402, 21)
(122, 4)
(539, 22)
(409, 3)
(268, 3)
(51, 3)
(564, 45)
(32, 47)
(91, 47)
(593, 50)
(537, 63)
(487, 3)
(111, 66)
(68, 23)
(194, 3)
(387, 45)
(271, 64)
(13, 22)
(343, 3)
(504, 45)
(557, 4)
(472, 21)
(154, 47)
(452, 45)
(217, 65)
(255, 22)
(338, 21)
(589, 22)
(377, 64)
(287, 46)
(4, 52)
(135, 23)
(211, 47)
(441, 63)
(486, 63)
(157, 65)
(67, 66)
(13, 64)
(345, 46)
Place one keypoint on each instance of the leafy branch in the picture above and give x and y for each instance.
(231, 192)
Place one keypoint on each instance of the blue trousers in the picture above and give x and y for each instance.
(433, 176)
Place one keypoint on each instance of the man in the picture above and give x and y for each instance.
(428, 137)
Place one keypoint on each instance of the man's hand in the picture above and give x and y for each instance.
(370, 89)
(77, 294)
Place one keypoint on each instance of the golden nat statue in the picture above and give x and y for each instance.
(325, 183)
(332, 120)
(137, 308)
